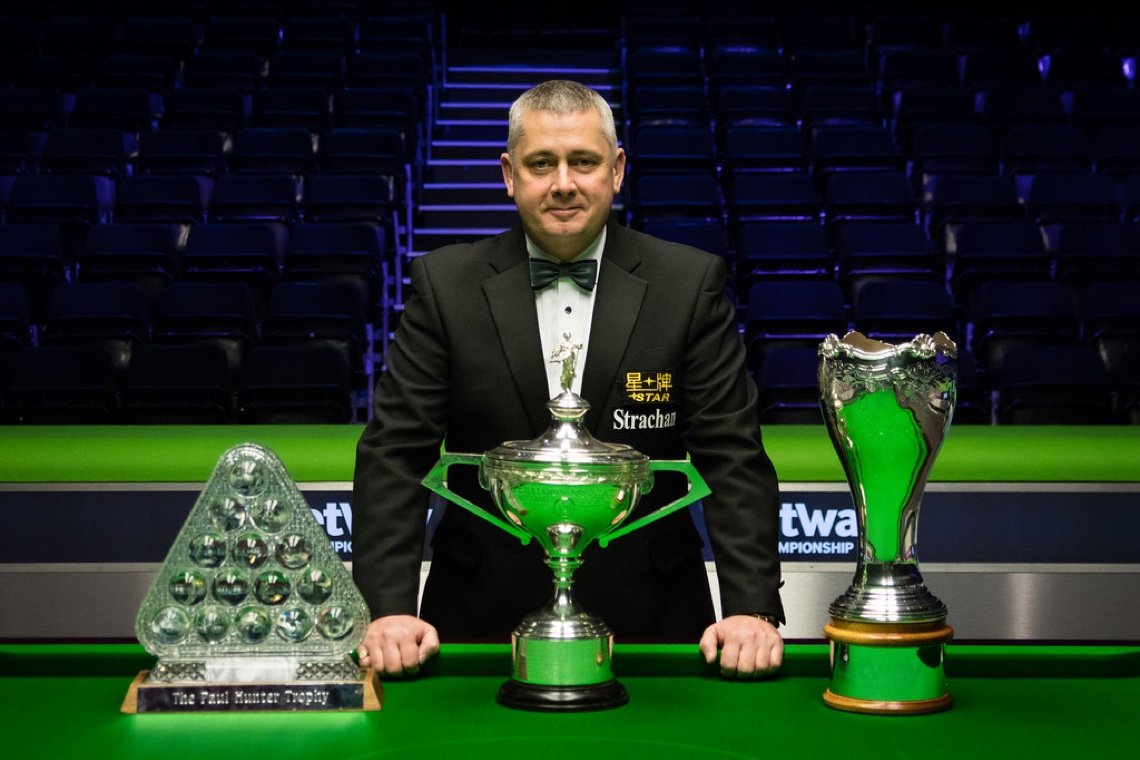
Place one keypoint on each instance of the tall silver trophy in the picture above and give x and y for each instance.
(564, 489)
(887, 408)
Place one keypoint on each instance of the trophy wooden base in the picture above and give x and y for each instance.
(525, 696)
(887, 707)
(888, 669)
(365, 694)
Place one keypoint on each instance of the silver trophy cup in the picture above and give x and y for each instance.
(564, 489)
(887, 409)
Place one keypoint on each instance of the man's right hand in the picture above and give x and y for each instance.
(398, 644)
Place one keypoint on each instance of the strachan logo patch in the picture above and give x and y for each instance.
(647, 419)
(649, 387)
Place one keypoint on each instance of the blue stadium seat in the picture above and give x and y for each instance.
(68, 385)
(110, 316)
(171, 384)
(1054, 385)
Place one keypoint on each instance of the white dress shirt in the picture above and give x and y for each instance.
(565, 308)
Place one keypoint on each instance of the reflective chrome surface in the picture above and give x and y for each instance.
(887, 408)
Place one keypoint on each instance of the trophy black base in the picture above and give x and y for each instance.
(526, 696)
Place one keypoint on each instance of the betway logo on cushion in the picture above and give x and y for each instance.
(336, 519)
(813, 531)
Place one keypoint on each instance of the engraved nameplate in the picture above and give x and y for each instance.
(362, 695)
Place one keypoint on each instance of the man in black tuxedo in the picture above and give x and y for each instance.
(663, 367)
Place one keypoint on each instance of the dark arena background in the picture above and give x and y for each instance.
(207, 210)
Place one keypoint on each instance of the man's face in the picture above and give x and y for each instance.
(563, 179)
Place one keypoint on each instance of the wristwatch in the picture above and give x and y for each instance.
(771, 620)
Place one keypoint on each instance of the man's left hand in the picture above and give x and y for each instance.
(749, 647)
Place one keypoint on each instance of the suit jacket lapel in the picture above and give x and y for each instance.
(616, 306)
(511, 301)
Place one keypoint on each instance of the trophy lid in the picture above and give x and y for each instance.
(566, 440)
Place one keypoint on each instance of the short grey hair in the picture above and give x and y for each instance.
(559, 96)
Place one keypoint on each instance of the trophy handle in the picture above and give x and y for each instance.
(436, 481)
(698, 489)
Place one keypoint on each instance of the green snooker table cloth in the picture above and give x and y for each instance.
(63, 700)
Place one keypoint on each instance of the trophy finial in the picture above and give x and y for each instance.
(567, 353)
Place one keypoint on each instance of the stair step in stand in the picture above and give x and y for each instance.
(462, 197)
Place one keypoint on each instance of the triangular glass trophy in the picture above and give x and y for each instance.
(252, 609)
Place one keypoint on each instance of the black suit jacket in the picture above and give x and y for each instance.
(664, 372)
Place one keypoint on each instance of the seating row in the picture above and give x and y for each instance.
(178, 384)
(183, 28)
(931, 148)
(119, 316)
(135, 111)
(277, 150)
(1069, 227)
(38, 257)
(1029, 351)
(968, 254)
(194, 352)
(864, 194)
(84, 200)
(1043, 385)
(750, 103)
(243, 70)
(876, 27)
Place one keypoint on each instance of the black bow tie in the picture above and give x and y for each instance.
(544, 271)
